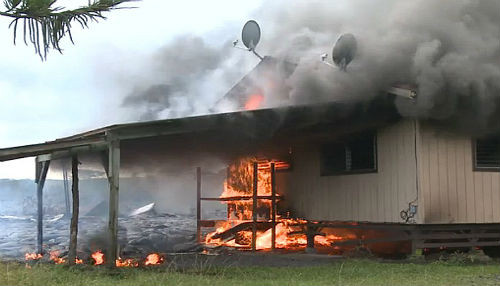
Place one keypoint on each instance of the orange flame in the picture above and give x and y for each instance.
(32, 256)
(289, 232)
(254, 101)
(129, 262)
(98, 257)
(153, 259)
(54, 256)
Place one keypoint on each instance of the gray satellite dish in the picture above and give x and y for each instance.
(250, 35)
(344, 50)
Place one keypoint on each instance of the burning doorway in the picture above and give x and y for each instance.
(257, 218)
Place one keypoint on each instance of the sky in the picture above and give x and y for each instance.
(83, 88)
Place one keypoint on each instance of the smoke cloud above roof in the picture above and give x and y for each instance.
(449, 51)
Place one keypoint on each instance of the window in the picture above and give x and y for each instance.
(357, 154)
(487, 154)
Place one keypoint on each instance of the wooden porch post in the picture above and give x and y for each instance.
(254, 205)
(273, 206)
(42, 170)
(198, 204)
(75, 213)
(114, 180)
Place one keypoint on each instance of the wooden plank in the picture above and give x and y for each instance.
(44, 169)
(273, 206)
(198, 204)
(450, 236)
(443, 209)
(75, 213)
(114, 186)
(57, 155)
(254, 205)
(371, 240)
(400, 226)
(469, 183)
(397, 169)
(7, 154)
(452, 178)
(495, 193)
(392, 173)
(423, 186)
(434, 202)
(478, 196)
(381, 186)
(487, 197)
(461, 185)
(248, 225)
(457, 244)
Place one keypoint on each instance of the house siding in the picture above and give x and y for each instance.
(452, 191)
(375, 197)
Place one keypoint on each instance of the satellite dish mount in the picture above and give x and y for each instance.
(250, 36)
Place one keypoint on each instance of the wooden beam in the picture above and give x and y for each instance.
(7, 154)
(254, 205)
(70, 152)
(76, 208)
(273, 206)
(114, 182)
(44, 169)
(244, 226)
(198, 204)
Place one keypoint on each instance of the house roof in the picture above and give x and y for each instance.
(266, 77)
(262, 124)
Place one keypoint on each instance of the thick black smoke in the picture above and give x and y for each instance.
(448, 50)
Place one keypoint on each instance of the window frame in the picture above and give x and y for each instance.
(324, 173)
(475, 167)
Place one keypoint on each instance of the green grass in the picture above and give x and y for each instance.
(348, 272)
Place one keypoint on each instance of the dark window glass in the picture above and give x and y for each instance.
(488, 153)
(356, 154)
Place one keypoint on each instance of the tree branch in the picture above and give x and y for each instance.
(46, 25)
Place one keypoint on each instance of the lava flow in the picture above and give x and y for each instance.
(238, 192)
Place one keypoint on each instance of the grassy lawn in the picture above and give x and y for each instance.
(349, 272)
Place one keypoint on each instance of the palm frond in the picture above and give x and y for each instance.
(44, 24)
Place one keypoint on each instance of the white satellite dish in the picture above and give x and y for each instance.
(250, 35)
(343, 51)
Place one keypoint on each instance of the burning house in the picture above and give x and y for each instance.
(326, 177)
